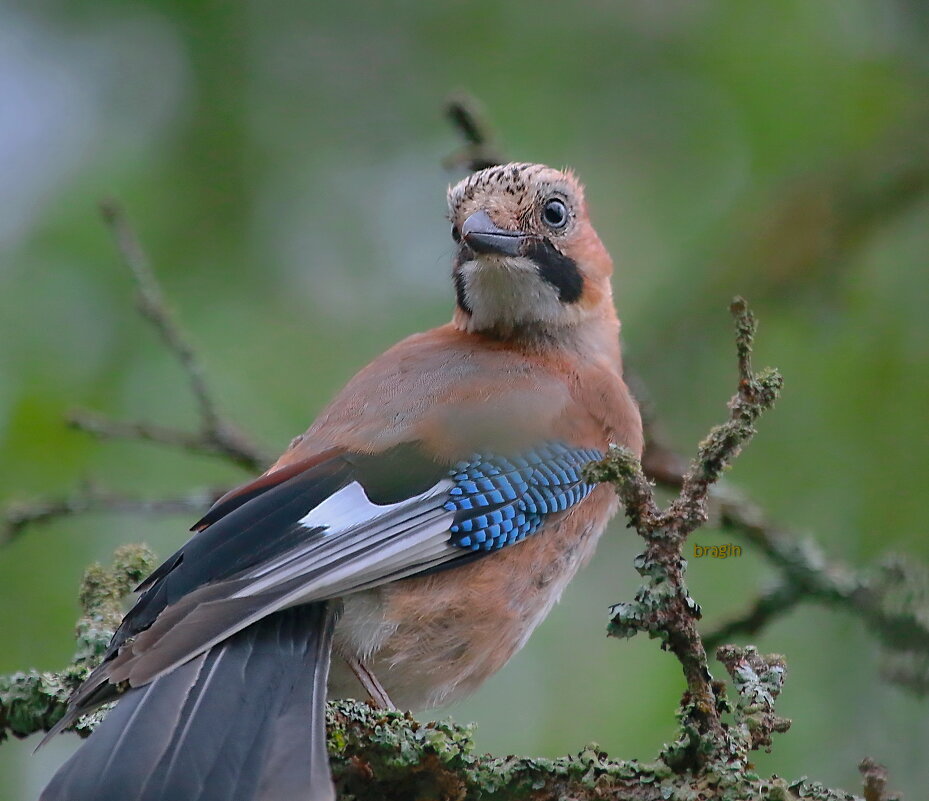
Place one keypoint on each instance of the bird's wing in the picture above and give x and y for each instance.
(330, 527)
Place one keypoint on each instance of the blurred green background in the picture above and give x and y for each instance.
(281, 161)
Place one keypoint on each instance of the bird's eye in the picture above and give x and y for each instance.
(555, 213)
(456, 234)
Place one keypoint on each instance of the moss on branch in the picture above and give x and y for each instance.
(32, 701)
(378, 755)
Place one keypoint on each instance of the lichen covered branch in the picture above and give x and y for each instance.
(758, 680)
(891, 597)
(874, 777)
(376, 754)
(33, 701)
(663, 607)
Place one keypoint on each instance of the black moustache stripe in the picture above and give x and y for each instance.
(556, 268)
(464, 254)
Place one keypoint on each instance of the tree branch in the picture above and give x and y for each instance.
(94, 500)
(217, 436)
(892, 597)
(378, 755)
(663, 606)
(203, 443)
(34, 701)
(468, 118)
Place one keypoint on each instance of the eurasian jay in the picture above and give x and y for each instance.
(415, 535)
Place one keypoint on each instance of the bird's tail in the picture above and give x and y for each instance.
(242, 722)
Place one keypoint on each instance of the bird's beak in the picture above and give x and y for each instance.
(482, 236)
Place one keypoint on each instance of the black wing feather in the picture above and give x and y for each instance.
(246, 536)
(243, 536)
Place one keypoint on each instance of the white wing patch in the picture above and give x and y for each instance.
(363, 544)
(349, 506)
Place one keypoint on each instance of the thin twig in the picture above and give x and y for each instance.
(892, 597)
(151, 304)
(91, 500)
(104, 428)
(480, 149)
(217, 435)
(763, 611)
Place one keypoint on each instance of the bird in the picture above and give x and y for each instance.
(403, 548)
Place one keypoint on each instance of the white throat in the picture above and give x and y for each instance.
(505, 293)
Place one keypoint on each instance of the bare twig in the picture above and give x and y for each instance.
(151, 304)
(104, 428)
(892, 597)
(228, 445)
(217, 436)
(766, 608)
(92, 500)
(479, 149)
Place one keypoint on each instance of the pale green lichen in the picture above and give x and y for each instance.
(387, 755)
(32, 701)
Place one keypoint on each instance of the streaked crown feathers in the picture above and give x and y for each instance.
(529, 261)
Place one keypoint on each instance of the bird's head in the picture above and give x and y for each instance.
(529, 262)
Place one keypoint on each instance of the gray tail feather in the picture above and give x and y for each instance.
(244, 721)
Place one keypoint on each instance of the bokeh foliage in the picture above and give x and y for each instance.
(282, 163)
